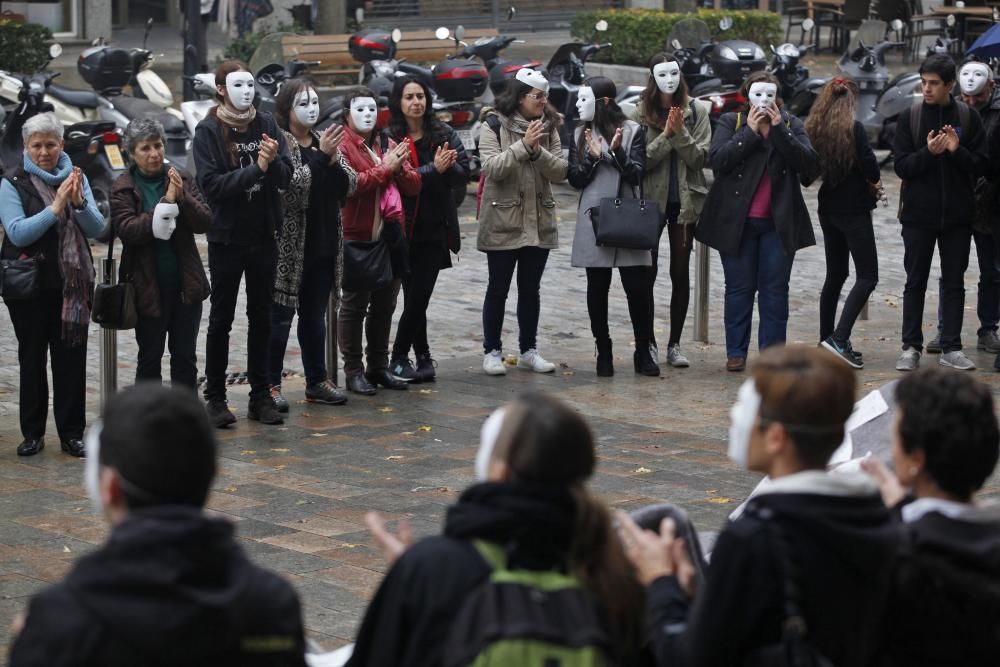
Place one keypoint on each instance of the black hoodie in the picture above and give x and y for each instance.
(170, 587)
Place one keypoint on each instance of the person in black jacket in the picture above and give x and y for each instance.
(939, 167)
(829, 533)
(170, 586)
(431, 217)
(242, 161)
(851, 180)
(755, 215)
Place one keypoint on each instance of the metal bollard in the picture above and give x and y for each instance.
(701, 287)
(331, 339)
(109, 342)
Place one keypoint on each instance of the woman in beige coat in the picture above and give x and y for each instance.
(521, 155)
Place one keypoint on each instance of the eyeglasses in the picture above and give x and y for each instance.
(538, 96)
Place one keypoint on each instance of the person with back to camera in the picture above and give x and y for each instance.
(156, 212)
(607, 160)
(242, 161)
(678, 136)
(48, 212)
(310, 254)
(851, 182)
(521, 157)
(755, 215)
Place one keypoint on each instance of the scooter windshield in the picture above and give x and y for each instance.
(691, 33)
(271, 51)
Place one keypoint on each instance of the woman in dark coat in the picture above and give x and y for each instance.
(755, 215)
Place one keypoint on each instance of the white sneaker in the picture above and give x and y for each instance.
(676, 358)
(909, 360)
(493, 363)
(533, 361)
(957, 359)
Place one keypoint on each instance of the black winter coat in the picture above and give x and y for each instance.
(937, 190)
(738, 158)
(169, 587)
(853, 194)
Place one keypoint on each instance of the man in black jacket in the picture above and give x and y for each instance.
(170, 586)
(939, 165)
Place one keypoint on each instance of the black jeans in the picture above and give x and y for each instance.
(530, 265)
(953, 244)
(988, 295)
(368, 313)
(418, 286)
(314, 300)
(635, 280)
(38, 327)
(181, 322)
(846, 236)
(227, 264)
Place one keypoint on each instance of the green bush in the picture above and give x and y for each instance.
(243, 48)
(23, 46)
(637, 34)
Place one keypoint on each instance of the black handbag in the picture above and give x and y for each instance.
(114, 304)
(19, 278)
(626, 223)
(367, 266)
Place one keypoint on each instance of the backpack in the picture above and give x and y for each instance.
(494, 124)
(526, 618)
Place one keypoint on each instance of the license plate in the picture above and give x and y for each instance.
(468, 139)
(114, 156)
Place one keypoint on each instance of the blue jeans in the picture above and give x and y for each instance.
(314, 298)
(760, 268)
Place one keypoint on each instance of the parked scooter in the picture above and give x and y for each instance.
(146, 84)
(567, 70)
(501, 69)
(792, 77)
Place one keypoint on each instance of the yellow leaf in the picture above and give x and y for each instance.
(394, 458)
(231, 489)
(279, 449)
(315, 435)
(66, 550)
(720, 500)
(349, 545)
(642, 470)
(248, 452)
(385, 409)
(425, 429)
(280, 467)
(409, 432)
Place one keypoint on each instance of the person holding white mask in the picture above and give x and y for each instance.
(242, 161)
(309, 241)
(156, 211)
(761, 155)
(678, 135)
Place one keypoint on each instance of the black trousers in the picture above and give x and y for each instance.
(366, 315)
(953, 243)
(635, 280)
(38, 328)
(418, 286)
(178, 323)
(227, 265)
(530, 265)
(846, 236)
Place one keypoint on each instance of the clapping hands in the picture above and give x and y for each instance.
(268, 151)
(533, 135)
(175, 187)
(330, 140)
(675, 121)
(70, 191)
(444, 158)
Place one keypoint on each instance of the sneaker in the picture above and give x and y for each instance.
(957, 359)
(219, 413)
(843, 351)
(654, 352)
(934, 347)
(493, 363)
(989, 342)
(533, 361)
(325, 392)
(909, 360)
(403, 369)
(262, 409)
(675, 357)
(425, 367)
(279, 399)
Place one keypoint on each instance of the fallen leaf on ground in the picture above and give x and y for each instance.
(642, 470)
(280, 467)
(425, 429)
(394, 458)
(315, 435)
(231, 489)
(248, 452)
(279, 449)
(67, 550)
(720, 500)
(385, 409)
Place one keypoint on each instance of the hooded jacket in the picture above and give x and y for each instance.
(842, 540)
(169, 587)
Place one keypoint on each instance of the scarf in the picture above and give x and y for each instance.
(515, 122)
(292, 238)
(237, 119)
(75, 264)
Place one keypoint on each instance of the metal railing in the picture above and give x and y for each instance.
(109, 342)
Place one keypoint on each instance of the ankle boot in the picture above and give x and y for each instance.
(605, 362)
(643, 360)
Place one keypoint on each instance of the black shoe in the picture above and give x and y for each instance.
(386, 379)
(425, 367)
(843, 351)
(280, 402)
(359, 385)
(31, 446)
(605, 360)
(218, 413)
(74, 447)
(325, 392)
(643, 360)
(262, 409)
(403, 369)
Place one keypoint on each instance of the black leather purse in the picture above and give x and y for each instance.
(367, 266)
(114, 304)
(626, 223)
(19, 278)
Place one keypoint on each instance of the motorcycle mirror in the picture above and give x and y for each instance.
(396, 35)
(601, 26)
(950, 20)
(55, 51)
(726, 22)
(442, 33)
(676, 44)
(460, 32)
(511, 12)
(359, 14)
(896, 25)
(808, 25)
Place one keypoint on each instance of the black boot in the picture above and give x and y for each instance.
(605, 362)
(643, 360)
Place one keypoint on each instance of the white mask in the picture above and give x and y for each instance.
(533, 78)
(585, 103)
(762, 94)
(487, 439)
(164, 220)
(92, 467)
(364, 113)
(240, 88)
(974, 77)
(742, 417)
(306, 107)
(667, 77)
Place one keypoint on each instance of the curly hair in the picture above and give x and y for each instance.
(653, 113)
(950, 417)
(830, 127)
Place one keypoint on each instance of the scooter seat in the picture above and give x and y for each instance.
(83, 99)
(135, 107)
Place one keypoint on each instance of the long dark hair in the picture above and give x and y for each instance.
(653, 112)
(761, 77)
(286, 99)
(830, 127)
(509, 99)
(398, 127)
(608, 116)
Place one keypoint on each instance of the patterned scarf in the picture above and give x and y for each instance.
(237, 119)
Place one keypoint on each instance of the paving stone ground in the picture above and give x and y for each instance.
(298, 493)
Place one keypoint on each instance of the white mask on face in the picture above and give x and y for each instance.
(306, 107)
(742, 417)
(487, 439)
(240, 88)
(92, 467)
(667, 77)
(762, 94)
(585, 103)
(364, 112)
(973, 78)
(164, 220)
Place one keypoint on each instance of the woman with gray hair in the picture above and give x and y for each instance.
(157, 210)
(48, 212)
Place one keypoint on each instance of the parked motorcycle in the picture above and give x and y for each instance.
(146, 84)
(567, 70)
(793, 78)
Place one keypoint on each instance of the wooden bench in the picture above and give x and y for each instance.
(335, 58)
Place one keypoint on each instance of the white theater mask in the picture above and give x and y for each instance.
(973, 78)
(164, 220)
(306, 107)
(742, 417)
(762, 94)
(364, 113)
(240, 89)
(585, 103)
(667, 77)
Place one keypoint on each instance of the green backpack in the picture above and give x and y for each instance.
(526, 618)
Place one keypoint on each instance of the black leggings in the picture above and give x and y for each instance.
(635, 280)
(681, 239)
(846, 236)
